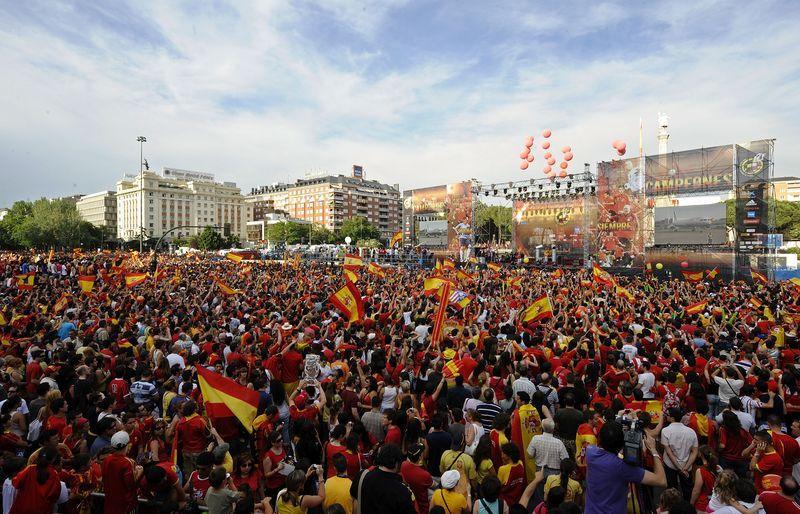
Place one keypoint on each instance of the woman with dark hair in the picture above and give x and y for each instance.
(484, 467)
(565, 479)
(733, 439)
(278, 394)
(273, 463)
(38, 486)
(489, 501)
(292, 500)
(554, 499)
(246, 473)
(704, 478)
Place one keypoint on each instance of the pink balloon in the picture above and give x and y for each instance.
(621, 145)
(551, 161)
(566, 149)
(563, 174)
(568, 156)
(529, 141)
(530, 157)
(547, 155)
(547, 169)
(523, 165)
(546, 133)
(615, 143)
(684, 264)
(551, 175)
(546, 145)
(524, 154)
(563, 165)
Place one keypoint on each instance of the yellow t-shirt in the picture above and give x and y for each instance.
(337, 490)
(465, 464)
(573, 489)
(450, 501)
(484, 470)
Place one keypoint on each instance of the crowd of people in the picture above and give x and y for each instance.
(644, 396)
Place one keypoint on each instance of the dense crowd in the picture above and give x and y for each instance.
(645, 396)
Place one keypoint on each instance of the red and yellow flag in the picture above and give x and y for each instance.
(460, 299)
(134, 279)
(376, 269)
(87, 282)
(795, 281)
(350, 275)
(758, 277)
(224, 398)
(348, 300)
(433, 284)
(692, 276)
(624, 293)
(61, 303)
(493, 266)
(448, 263)
(696, 308)
(601, 276)
(26, 281)
(712, 274)
(514, 282)
(225, 288)
(463, 275)
(441, 312)
(539, 309)
(558, 273)
(352, 261)
(755, 302)
(235, 257)
(396, 238)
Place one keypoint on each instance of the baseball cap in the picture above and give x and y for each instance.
(120, 440)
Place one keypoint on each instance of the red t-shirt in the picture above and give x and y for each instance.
(118, 484)
(769, 464)
(330, 451)
(118, 389)
(309, 413)
(291, 367)
(33, 371)
(788, 448)
(393, 436)
(418, 480)
(199, 485)
(58, 423)
(191, 434)
(776, 503)
(33, 497)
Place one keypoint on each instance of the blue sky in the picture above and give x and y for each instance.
(419, 92)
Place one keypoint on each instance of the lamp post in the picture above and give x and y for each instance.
(142, 140)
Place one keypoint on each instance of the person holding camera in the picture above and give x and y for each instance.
(608, 476)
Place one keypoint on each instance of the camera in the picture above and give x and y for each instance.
(633, 430)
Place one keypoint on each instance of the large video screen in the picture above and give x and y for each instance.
(618, 238)
(548, 222)
(432, 232)
(439, 216)
(690, 171)
(691, 225)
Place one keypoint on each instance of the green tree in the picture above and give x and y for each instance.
(233, 241)
(369, 243)
(210, 239)
(321, 235)
(287, 232)
(359, 228)
(45, 223)
(492, 222)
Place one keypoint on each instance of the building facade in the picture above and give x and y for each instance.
(178, 198)
(100, 209)
(327, 201)
(786, 189)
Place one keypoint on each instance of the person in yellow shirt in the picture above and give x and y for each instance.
(574, 492)
(337, 488)
(446, 497)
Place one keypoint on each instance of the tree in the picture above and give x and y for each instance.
(492, 222)
(287, 232)
(233, 241)
(210, 239)
(46, 223)
(368, 243)
(358, 228)
(320, 235)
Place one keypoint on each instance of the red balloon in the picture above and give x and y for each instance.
(684, 264)
(547, 155)
(568, 156)
(547, 169)
(524, 154)
(551, 161)
(621, 145)
(566, 149)
(523, 165)
(615, 143)
(529, 141)
(530, 157)
(563, 165)
(563, 173)
(546, 145)
(546, 133)
(621, 152)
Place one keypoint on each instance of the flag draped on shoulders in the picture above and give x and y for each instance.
(348, 300)
(526, 423)
(224, 398)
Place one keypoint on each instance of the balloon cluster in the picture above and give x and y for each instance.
(619, 146)
(527, 156)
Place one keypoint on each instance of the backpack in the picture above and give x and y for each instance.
(671, 399)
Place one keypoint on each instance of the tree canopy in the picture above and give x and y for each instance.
(45, 223)
(358, 228)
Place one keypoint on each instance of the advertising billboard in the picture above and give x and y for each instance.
(618, 238)
(690, 172)
(753, 162)
(693, 224)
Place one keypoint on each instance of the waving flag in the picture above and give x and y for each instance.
(134, 279)
(464, 276)
(352, 261)
(558, 273)
(224, 398)
(376, 269)
(755, 302)
(460, 299)
(225, 288)
(448, 263)
(624, 293)
(432, 285)
(235, 257)
(795, 281)
(61, 303)
(86, 282)
(712, 274)
(348, 300)
(396, 238)
(441, 312)
(539, 309)
(514, 282)
(696, 308)
(26, 281)
(692, 276)
(350, 275)
(758, 277)
(601, 276)
(493, 266)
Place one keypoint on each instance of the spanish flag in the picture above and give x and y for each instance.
(692, 276)
(235, 257)
(493, 266)
(348, 300)
(134, 279)
(61, 303)
(758, 277)
(26, 281)
(755, 302)
(376, 269)
(432, 285)
(539, 309)
(453, 368)
(396, 238)
(441, 312)
(712, 274)
(350, 275)
(601, 276)
(463, 275)
(624, 293)
(86, 282)
(526, 423)
(448, 263)
(224, 398)
(225, 288)
(514, 282)
(696, 308)
(558, 273)
(460, 299)
(352, 261)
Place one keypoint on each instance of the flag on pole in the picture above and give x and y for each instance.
(448, 263)
(538, 310)
(712, 274)
(441, 312)
(26, 281)
(86, 282)
(601, 276)
(696, 308)
(758, 277)
(396, 238)
(350, 275)
(224, 398)
(460, 299)
(235, 257)
(493, 266)
(348, 300)
(376, 269)
(352, 261)
(463, 275)
(134, 279)
(225, 288)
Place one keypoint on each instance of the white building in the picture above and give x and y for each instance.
(100, 209)
(178, 198)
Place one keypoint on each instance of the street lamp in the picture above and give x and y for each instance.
(142, 140)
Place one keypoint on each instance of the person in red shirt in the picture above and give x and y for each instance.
(765, 462)
(197, 484)
(33, 373)
(120, 475)
(58, 420)
(191, 435)
(119, 389)
(786, 445)
(161, 484)
(418, 478)
(38, 487)
(781, 502)
(393, 433)
(615, 375)
(291, 361)
(300, 409)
